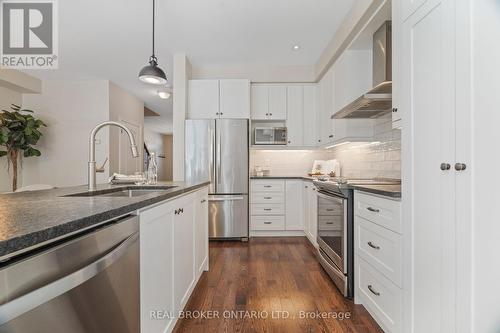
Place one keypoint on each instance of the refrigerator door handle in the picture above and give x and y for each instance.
(211, 138)
(218, 161)
(228, 198)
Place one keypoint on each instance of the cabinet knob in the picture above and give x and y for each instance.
(394, 109)
(203, 201)
(221, 113)
(267, 114)
(445, 166)
(330, 136)
(460, 166)
(270, 114)
(289, 141)
(319, 140)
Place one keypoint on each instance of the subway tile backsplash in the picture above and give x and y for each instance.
(380, 158)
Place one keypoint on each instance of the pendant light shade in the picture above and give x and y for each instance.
(152, 73)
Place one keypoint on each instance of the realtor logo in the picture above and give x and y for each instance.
(29, 34)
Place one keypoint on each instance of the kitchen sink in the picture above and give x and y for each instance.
(123, 192)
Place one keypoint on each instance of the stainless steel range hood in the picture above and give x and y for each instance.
(377, 101)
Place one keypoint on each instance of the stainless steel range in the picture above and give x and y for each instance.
(336, 228)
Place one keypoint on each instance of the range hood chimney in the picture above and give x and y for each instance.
(377, 101)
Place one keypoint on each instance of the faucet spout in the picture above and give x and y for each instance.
(92, 163)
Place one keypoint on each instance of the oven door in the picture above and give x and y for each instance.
(332, 228)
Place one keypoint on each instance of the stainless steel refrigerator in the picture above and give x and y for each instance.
(217, 150)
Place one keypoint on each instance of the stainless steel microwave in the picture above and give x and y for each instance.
(270, 136)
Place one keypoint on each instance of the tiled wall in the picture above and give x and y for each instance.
(381, 158)
(286, 162)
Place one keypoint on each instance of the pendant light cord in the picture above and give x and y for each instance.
(154, 29)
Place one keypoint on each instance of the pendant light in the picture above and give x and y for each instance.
(152, 73)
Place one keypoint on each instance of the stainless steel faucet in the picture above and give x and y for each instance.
(92, 163)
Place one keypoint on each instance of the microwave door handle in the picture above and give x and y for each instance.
(44, 294)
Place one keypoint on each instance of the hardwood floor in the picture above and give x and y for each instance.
(269, 277)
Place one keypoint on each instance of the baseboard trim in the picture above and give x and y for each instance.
(271, 233)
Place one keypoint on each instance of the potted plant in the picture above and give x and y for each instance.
(19, 131)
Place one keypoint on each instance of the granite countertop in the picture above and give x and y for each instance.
(28, 219)
(393, 191)
(283, 177)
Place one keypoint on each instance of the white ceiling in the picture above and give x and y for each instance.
(112, 39)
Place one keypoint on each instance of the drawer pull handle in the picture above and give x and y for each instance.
(329, 222)
(375, 210)
(268, 222)
(267, 198)
(203, 201)
(329, 209)
(268, 186)
(373, 246)
(268, 209)
(374, 292)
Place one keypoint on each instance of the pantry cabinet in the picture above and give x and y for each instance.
(433, 165)
(311, 212)
(211, 99)
(310, 115)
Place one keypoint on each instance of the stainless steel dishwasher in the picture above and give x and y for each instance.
(89, 283)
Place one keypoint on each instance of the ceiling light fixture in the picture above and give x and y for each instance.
(296, 48)
(164, 94)
(152, 73)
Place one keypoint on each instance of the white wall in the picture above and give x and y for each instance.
(8, 97)
(70, 109)
(182, 73)
(128, 109)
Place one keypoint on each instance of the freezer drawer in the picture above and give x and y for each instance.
(228, 216)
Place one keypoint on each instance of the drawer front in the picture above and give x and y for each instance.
(267, 186)
(267, 223)
(329, 223)
(267, 198)
(325, 210)
(381, 297)
(379, 247)
(384, 212)
(267, 209)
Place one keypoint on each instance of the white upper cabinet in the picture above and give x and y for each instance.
(203, 100)
(259, 102)
(234, 99)
(310, 113)
(277, 102)
(210, 99)
(295, 115)
(268, 102)
(396, 45)
(324, 123)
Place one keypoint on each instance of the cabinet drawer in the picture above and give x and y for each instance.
(267, 198)
(329, 223)
(380, 247)
(267, 186)
(384, 212)
(325, 210)
(380, 296)
(267, 209)
(267, 223)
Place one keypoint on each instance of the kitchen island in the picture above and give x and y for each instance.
(117, 259)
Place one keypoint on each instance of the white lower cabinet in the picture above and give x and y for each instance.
(294, 205)
(173, 254)
(283, 207)
(311, 212)
(378, 258)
